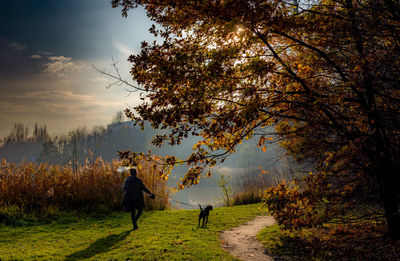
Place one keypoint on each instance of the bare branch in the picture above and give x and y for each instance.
(119, 81)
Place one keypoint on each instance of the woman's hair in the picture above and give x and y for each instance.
(133, 172)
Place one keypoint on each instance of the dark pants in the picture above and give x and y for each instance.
(135, 217)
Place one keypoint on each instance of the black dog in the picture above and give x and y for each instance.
(204, 214)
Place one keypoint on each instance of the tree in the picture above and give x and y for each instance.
(40, 133)
(118, 117)
(325, 73)
(18, 134)
(226, 189)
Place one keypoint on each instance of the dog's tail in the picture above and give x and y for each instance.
(200, 207)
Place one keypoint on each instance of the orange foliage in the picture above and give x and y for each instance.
(321, 197)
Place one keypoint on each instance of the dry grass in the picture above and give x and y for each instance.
(253, 185)
(34, 187)
(149, 172)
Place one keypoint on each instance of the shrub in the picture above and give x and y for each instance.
(226, 190)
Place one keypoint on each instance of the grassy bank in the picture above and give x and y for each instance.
(162, 235)
(366, 241)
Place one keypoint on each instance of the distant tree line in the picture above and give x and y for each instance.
(80, 144)
(72, 147)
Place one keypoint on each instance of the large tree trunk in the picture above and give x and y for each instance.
(389, 197)
(389, 190)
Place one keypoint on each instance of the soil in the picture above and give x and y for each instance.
(241, 241)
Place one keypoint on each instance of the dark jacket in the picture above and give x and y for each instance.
(133, 197)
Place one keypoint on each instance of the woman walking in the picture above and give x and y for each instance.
(133, 200)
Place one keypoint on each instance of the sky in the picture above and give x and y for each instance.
(47, 49)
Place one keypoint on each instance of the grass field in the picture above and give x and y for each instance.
(162, 235)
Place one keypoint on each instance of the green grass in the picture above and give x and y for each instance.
(283, 243)
(162, 235)
(293, 246)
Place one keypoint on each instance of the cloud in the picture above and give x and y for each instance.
(45, 53)
(41, 55)
(100, 80)
(65, 94)
(60, 59)
(36, 56)
(60, 109)
(6, 106)
(223, 170)
(56, 103)
(122, 48)
(17, 46)
(61, 66)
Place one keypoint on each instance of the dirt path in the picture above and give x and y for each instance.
(241, 241)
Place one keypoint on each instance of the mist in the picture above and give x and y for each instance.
(80, 145)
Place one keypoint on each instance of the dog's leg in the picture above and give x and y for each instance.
(207, 219)
(199, 222)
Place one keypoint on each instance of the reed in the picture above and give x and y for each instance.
(97, 184)
(252, 186)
